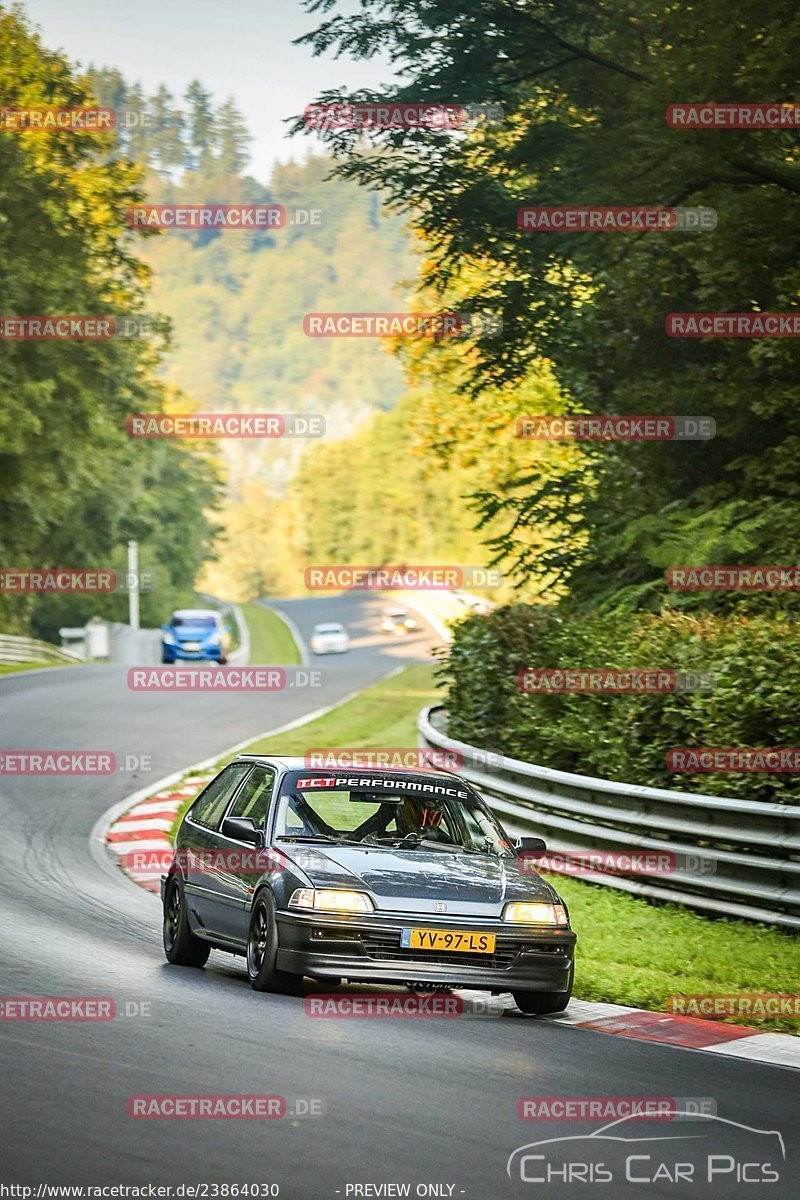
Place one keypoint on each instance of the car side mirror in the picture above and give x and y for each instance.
(241, 829)
(532, 847)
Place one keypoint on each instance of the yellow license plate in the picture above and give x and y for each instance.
(450, 939)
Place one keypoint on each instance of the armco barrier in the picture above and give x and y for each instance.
(735, 858)
(31, 650)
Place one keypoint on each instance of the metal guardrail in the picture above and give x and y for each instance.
(25, 649)
(734, 858)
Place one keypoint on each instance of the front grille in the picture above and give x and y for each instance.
(383, 946)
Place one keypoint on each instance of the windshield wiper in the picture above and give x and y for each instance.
(317, 837)
(412, 840)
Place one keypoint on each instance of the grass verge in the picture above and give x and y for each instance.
(629, 951)
(271, 639)
(637, 953)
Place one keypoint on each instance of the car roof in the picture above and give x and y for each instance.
(329, 625)
(195, 612)
(296, 763)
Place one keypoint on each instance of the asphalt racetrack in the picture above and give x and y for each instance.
(427, 1103)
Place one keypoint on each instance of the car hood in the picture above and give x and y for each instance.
(411, 880)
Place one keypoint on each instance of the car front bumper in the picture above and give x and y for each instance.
(205, 653)
(368, 950)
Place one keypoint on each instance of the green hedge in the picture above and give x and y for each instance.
(755, 702)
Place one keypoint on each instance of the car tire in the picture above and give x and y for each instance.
(262, 950)
(181, 947)
(541, 1003)
(164, 659)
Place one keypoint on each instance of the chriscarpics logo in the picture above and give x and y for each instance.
(684, 1155)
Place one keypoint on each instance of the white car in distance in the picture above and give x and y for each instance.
(331, 638)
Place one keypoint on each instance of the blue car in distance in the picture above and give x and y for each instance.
(193, 634)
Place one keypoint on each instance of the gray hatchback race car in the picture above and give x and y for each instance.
(366, 875)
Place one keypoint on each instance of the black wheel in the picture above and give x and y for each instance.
(262, 950)
(541, 1003)
(180, 945)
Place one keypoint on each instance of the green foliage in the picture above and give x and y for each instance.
(271, 640)
(236, 302)
(158, 133)
(73, 487)
(585, 89)
(637, 953)
(755, 701)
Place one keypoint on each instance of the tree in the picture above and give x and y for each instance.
(167, 148)
(202, 127)
(233, 137)
(584, 89)
(73, 486)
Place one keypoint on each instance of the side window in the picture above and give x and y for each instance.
(253, 800)
(211, 804)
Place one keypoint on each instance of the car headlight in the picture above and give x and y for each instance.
(331, 900)
(525, 912)
(168, 639)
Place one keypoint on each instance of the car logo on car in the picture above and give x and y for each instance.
(439, 906)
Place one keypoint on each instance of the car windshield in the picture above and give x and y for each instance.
(328, 629)
(456, 822)
(194, 622)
